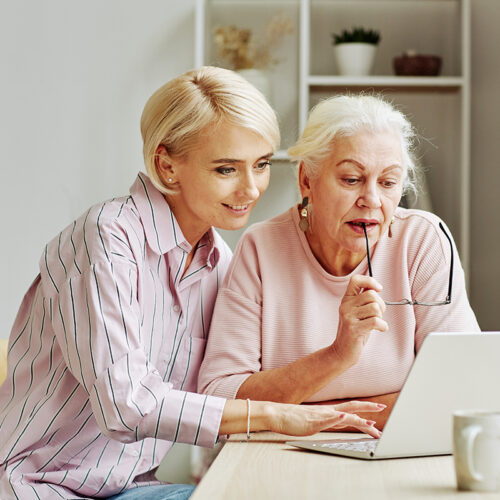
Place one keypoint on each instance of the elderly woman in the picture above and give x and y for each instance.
(108, 340)
(299, 317)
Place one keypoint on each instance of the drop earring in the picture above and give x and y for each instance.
(390, 227)
(170, 179)
(304, 221)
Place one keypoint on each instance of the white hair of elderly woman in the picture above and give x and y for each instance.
(346, 115)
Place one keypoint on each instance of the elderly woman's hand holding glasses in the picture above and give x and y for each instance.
(361, 314)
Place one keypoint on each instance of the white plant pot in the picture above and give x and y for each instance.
(260, 80)
(355, 59)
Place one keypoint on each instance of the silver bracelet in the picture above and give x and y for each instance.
(248, 420)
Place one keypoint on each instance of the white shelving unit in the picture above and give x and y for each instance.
(254, 14)
(439, 107)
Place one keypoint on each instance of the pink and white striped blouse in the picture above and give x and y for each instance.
(107, 342)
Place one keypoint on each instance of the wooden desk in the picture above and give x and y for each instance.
(267, 469)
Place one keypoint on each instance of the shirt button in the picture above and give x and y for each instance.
(176, 308)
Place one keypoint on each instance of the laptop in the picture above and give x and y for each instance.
(452, 371)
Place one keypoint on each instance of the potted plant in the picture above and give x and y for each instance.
(355, 50)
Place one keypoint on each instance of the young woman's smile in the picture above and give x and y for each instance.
(238, 209)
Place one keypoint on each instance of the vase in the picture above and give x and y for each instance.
(355, 59)
(260, 80)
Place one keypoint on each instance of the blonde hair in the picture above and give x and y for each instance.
(346, 115)
(178, 111)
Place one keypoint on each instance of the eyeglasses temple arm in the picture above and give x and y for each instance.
(451, 261)
(368, 250)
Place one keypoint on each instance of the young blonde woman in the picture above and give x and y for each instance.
(108, 341)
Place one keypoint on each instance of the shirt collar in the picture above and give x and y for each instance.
(161, 228)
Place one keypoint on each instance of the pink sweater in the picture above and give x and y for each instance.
(278, 304)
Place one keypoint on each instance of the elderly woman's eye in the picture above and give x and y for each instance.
(350, 180)
(389, 184)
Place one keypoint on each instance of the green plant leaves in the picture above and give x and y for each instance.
(356, 35)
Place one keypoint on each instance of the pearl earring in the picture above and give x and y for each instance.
(170, 179)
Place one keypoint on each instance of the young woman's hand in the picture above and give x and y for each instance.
(297, 420)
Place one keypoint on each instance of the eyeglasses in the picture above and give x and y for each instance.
(410, 302)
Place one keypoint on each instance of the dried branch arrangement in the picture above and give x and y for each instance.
(238, 47)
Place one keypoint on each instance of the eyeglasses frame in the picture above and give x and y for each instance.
(405, 302)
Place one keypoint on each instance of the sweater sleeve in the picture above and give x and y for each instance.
(233, 351)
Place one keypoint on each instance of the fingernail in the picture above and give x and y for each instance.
(381, 405)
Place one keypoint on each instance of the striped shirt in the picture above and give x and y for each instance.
(107, 342)
(278, 304)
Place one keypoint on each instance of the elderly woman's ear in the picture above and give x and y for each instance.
(304, 182)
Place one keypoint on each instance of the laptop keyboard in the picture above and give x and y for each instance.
(364, 446)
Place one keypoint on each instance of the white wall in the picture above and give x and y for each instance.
(75, 77)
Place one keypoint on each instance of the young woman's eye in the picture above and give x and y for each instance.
(263, 165)
(225, 170)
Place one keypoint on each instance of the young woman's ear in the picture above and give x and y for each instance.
(164, 166)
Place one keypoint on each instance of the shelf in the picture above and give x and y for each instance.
(385, 81)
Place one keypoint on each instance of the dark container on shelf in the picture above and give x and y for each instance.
(417, 65)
